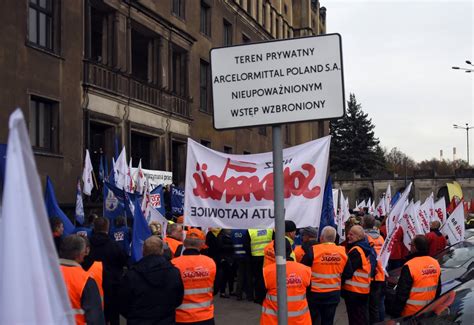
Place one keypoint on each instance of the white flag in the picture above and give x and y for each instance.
(340, 219)
(388, 199)
(155, 216)
(32, 290)
(440, 210)
(410, 224)
(121, 168)
(397, 209)
(372, 209)
(369, 203)
(380, 209)
(140, 179)
(424, 215)
(335, 196)
(129, 185)
(87, 175)
(454, 227)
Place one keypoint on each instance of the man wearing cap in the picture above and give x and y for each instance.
(198, 273)
(327, 262)
(309, 236)
(436, 240)
(174, 236)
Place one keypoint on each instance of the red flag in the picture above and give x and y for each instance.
(452, 205)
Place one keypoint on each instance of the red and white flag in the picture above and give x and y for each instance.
(388, 199)
(455, 227)
(129, 184)
(87, 175)
(410, 224)
(440, 210)
(397, 210)
(121, 168)
(380, 209)
(140, 179)
(424, 215)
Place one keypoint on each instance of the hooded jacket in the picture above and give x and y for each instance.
(151, 291)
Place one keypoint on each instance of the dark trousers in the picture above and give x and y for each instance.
(226, 277)
(395, 264)
(204, 322)
(322, 314)
(244, 277)
(375, 296)
(258, 283)
(357, 310)
(111, 306)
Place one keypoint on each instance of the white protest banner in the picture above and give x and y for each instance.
(397, 209)
(410, 224)
(440, 210)
(282, 81)
(380, 209)
(454, 227)
(156, 177)
(424, 215)
(236, 191)
(335, 196)
(387, 247)
(388, 198)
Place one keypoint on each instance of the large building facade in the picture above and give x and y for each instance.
(100, 74)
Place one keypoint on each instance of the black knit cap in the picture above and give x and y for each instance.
(290, 226)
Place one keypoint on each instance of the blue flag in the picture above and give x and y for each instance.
(116, 147)
(101, 169)
(79, 203)
(327, 211)
(157, 200)
(52, 207)
(141, 232)
(106, 169)
(114, 202)
(177, 200)
(395, 198)
(112, 173)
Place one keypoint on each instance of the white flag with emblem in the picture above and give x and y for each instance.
(455, 226)
(87, 175)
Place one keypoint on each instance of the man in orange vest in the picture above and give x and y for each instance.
(327, 262)
(269, 250)
(174, 237)
(419, 281)
(198, 273)
(377, 286)
(81, 287)
(357, 276)
(298, 278)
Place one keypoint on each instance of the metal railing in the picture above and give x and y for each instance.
(123, 84)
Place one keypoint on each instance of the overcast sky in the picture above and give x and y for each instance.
(397, 61)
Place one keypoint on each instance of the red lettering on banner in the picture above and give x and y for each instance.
(242, 187)
(439, 212)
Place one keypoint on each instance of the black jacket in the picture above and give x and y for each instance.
(111, 255)
(151, 291)
(405, 282)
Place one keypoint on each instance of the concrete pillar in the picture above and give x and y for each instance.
(163, 64)
(274, 24)
(268, 17)
(259, 12)
(121, 42)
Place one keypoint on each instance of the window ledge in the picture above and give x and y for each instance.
(47, 154)
(206, 112)
(45, 51)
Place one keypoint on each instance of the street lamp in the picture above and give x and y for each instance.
(467, 128)
(467, 70)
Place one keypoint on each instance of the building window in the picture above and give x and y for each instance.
(205, 19)
(262, 130)
(102, 37)
(44, 124)
(247, 152)
(179, 70)
(141, 148)
(140, 51)
(178, 8)
(245, 39)
(227, 33)
(227, 149)
(205, 76)
(206, 143)
(40, 23)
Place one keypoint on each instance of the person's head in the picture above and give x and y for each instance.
(180, 220)
(175, 231)
(419, 244)
(355, 234)
(309, 233)
(153, 246)
(328, 235)
(435, 225)
(368, 222)
(120, 221)
(290, 229)
(57, 226)
(101, 224)
(193, 243)
(73, 247)
(155, 228)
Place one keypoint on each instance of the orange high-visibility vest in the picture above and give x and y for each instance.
(172, 244)
(360, 281)
(425, 272)
(299, 253)
(328, 263)
(75, 279)
(96, 272)
(198, 273)
(377, 245)
(298, 277)
(269, 254)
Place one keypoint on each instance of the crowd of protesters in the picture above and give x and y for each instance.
(181, 271)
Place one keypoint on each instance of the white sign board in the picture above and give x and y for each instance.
(156, 177)
(276, 82)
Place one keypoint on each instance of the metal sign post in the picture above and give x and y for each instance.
(279, 203)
